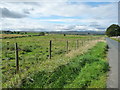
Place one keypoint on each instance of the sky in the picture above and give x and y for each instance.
(58, 15)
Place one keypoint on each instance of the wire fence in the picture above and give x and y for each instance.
(18, 57)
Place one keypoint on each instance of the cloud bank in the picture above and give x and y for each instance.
(58, 15)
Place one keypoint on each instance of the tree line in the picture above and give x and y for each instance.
(23, 33)
(13, 32)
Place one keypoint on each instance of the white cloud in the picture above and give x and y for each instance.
(103, 15)
(60, 0)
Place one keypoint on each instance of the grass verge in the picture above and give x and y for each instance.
(116, 39)
(85, 71)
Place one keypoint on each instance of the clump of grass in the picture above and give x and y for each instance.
(27, 49)
(100, 82)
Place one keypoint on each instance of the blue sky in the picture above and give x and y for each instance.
(59, 15)
(95, 4)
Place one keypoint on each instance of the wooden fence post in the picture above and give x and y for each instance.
(50, 49)
(16, 58)
(67, 47)
(7, 45)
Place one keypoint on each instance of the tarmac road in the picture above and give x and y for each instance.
(114, 61)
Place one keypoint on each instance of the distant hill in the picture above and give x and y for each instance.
(78, 32)
(57, 32)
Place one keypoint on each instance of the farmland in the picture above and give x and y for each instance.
(10, 35)
(69, 54)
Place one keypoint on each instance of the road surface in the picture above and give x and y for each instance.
(113, 57)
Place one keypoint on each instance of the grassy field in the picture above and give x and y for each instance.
(84, 71)
(34, 59)
(10, 35)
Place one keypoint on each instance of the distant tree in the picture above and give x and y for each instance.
(41, 33)
(88, 33)
(113, 30)
(14, 32)
(7, 32)
(64, 34)
(17, 32)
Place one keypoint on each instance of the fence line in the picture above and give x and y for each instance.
(50, 49)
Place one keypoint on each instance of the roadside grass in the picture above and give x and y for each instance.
(116, 39)
(83, 71)
(100, 83)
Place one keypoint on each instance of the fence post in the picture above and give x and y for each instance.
(50, 49)
(7, 45)
(67, 46)
(16, 58)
